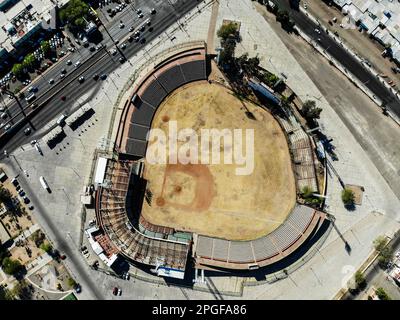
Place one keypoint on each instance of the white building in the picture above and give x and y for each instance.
(21, 20)
(379, 18)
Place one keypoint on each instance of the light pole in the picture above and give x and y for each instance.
(8, 155)
(16, 99)
(69, 200)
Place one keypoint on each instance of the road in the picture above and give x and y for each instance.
(375, 276)
(167, 14)
(340, 54)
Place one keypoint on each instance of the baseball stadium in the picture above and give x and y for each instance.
(167, 215)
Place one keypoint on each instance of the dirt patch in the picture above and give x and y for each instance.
(188, 187)
(358, 193)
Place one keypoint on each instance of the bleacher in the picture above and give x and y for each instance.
(154, 93)
(131, 243)
(172, 78)
(262, 249)
(302, 152)
(163, 79)
(194, 70)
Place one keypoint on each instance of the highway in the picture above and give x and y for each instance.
(341, 55)
(103, 62)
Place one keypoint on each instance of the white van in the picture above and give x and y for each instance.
(31, 97)
(61, 119)
(43, 183)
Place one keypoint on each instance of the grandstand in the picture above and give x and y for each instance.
(262, 251)
(178, 70)
(118, 203)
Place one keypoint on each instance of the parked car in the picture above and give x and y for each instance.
(81, 79)
(51, 81)
(117, 291)
(78, 288)
(27, 131)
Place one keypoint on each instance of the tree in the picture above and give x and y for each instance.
(227, 54)
(310, 110)
(283, 17)
(22, 290)
(306, 192)
(360, 280)
(29, 61)
(382, 295)
(5, 195)
(71, 282)
(248, 65)
(11, 266)
(75, 13)
(226, 31)
(46, 247)
(380, 243)
(45, 46)
(348, 197)
(18, 69)
(385, 256)
(385, 252)
(5, 294)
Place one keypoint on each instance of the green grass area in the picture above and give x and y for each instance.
(71, 296)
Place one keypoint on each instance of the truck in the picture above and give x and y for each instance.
(44, 183)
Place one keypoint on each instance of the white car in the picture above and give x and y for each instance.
(7, 127)
(69, 62)
(77, 64)
(51, 81)
(113, 52)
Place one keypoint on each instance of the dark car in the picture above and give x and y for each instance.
(103, 76)
(96, 77)
(78, 288)
(63, 98)
(115, 291)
